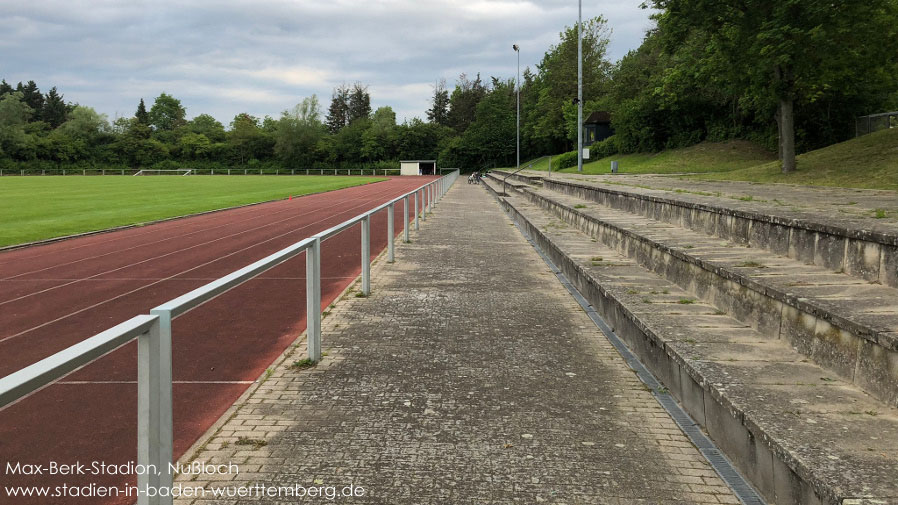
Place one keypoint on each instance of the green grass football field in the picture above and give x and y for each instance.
(36, 208)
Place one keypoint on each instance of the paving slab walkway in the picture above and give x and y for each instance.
(469, 375)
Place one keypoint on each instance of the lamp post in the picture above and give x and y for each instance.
(517, 85)
(580, 86)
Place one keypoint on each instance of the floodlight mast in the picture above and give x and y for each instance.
(517, 85)
(580, 86)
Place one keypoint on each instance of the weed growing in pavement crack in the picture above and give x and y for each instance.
(257, 443)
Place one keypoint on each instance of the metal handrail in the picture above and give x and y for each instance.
(151, 432)
(154, 334)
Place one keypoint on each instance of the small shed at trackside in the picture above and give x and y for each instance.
(597, 128)
(418, 167)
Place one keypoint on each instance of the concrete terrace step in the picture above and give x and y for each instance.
(843, 323)
(799, 433)
(811, 225)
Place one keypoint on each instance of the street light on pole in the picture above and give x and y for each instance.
(580, 85)
(517, 85)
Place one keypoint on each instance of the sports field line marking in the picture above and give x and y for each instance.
(208, 279)
(177, 226)
(47, 323)
(171, 253)
(147, 244)
(79, 383)
(323, 206)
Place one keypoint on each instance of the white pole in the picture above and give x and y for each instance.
(391, 257)
(518, 87)
(366, 255)
(580, 86)
(313, 300)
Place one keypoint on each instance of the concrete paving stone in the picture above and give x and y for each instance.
(468, 376)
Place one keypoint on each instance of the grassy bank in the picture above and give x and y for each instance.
(868, 162)
(704, 157)
(35, 208)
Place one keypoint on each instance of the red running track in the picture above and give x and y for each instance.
(55, 295)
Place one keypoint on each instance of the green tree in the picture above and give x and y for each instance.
(55, 109)
(379, 140)
(417, 140)
(786, 52)
(463, 102)
(439, 109)
(14, 114)
(194, 146)
(208, 126)
(142, 116)
(248, 140)
(491, 137)
(359, 102)
(298, 134)
(338, 113)
(555, 85)
(134, 147)
(82, 135)
(33, 98)
(167, 113)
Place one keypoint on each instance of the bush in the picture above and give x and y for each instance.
(565, 160)
(603, 149)
(166, 165)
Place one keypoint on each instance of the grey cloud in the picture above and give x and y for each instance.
(263, 56)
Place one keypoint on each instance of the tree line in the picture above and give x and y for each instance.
(790, 75)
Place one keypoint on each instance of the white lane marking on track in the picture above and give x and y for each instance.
(23, 332)
(78, 383)
(209, 279)
(138, 246)
(149, 232)
(171, 253)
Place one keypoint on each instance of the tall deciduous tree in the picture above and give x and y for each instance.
(378, 141)
(14, 114)
(463, 101)
(208, 126)
(786, 51)
(167, 113)
(555, 85)
(298, 133)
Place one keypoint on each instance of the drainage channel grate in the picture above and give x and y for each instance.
(724, 468)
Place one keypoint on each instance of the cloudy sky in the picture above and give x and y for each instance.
(224, 57)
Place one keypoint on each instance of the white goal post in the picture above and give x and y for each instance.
(179, 171)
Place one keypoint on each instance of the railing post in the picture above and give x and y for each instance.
(313, 300)
(424, 203)
(154, 409)
(391, 254)
(415, 197)
(366, 255)
(405, 222)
